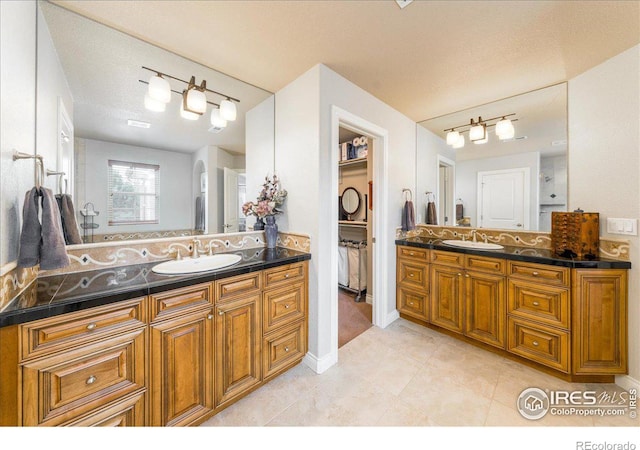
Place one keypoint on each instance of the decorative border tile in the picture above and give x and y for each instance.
(615, 249)
(114, 237)
(294, 241)
(13, 281)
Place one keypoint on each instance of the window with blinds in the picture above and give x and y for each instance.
(134, 190)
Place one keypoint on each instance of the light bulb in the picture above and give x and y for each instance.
(159, 89)
(188, 114)
(153, 105)
(228, 110)
(509, 133)
(452, 137)
(459, 143)
(477, 132)
(196, 101)
(216, 120)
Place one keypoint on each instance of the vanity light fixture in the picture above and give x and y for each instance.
(478, 130)
(194, 99)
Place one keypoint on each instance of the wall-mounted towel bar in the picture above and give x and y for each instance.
(39, 175)
(60, 179)
(408, 195)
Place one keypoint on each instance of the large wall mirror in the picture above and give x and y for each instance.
(135, 173)
(510, 182)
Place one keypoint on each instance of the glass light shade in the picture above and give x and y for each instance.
(503, 127)
(196, 101)
(228, 110)
(459, 143)
(188, 114)
(159, 89)
(484, 140)
(477, 132)
(508, 134)
(452, 137)
(154, 105)
(216, 120)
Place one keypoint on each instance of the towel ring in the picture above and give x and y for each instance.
(60, 176)
(410, 195)
(431, 197)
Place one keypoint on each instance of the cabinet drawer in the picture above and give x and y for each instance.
(539, 302)
(539, 343)
(46, 336)
(178, 301)
(539, 273)
(283, 306)
(127, 413)
(412, 303)
(488, 265)
(71, 384)
(421, 254)
(413, 274)
(447, 258)
(283, 349)
(228, 288)
(289, 273)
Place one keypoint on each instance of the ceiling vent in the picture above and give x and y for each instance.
(215, 130)
(403, 3)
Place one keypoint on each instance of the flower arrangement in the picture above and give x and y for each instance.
(267, 203)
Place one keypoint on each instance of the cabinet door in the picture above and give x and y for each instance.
(127, 413)
(412, 303)
(446, 297)
(237, 350)
(485, 308)
(599, 321)
(182, 369)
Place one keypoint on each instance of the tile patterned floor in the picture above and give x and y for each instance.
(406, 375)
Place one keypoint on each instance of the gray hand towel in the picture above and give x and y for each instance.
(408, 217)
(199, 225)
(69, 223)
(31, 235)
(432, 218)
(53, 254)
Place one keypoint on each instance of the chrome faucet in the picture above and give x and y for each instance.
(195, 252)
(473, 235)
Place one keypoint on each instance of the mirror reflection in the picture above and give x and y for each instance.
(350, 202)
(140, 165)
(499, 165)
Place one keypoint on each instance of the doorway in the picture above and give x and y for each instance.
(504, 199)
(445, 194)
(235, 193)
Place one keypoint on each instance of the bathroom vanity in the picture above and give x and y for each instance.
(129, 347)
(565, 317)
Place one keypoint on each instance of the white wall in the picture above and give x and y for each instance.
(604, 161)
(51, 86)
(176, 207)
(259, 134)
(467, 181)
(302, 160)
(18, 111)
(428, 147)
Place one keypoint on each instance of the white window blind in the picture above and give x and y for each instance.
(134, 190)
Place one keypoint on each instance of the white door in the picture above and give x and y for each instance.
(230, 200)
(504, 199)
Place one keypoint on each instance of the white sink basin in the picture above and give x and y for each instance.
(193, 265)
(475, 245)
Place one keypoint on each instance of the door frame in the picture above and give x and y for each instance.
(526, 194)
(380, 137)
(442, 161)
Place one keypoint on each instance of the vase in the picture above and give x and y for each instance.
(271, 231)
(259, 225)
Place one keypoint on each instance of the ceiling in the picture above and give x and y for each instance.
(426, 60)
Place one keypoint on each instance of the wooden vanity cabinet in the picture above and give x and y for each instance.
(413, 282)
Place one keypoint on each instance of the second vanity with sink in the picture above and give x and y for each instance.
(562, 316)
(127, 346)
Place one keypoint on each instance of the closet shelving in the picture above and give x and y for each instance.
(353, 162)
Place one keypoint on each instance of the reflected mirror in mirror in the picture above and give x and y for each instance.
(513, 180)
(350, 201)
(142, 165)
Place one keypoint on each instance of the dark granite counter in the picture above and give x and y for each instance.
(534, 255)
(59, 294)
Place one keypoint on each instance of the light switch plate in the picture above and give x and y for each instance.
(622, 226)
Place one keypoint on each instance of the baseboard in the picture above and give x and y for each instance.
(390, 318)
(369, 299)
(626, 382)
(319, 365)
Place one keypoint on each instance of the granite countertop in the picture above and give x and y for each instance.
(534, 255)
(58, 294)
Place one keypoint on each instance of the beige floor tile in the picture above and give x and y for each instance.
(399, 414)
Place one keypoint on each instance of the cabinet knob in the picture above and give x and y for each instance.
(459, 274)
(411, 275)
(536, 304)
(91, 326)
(410, 303)
(220, 313)
(286, 349)
(535, 274)
(91, 380)
(286, 275)
(210, 316)
(466, 275)
(535, 343)
(410, 253)
(286, 306)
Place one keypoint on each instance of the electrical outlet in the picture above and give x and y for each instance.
(622, 226)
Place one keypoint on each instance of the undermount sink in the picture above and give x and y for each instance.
(193, 265)
(475, 245)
